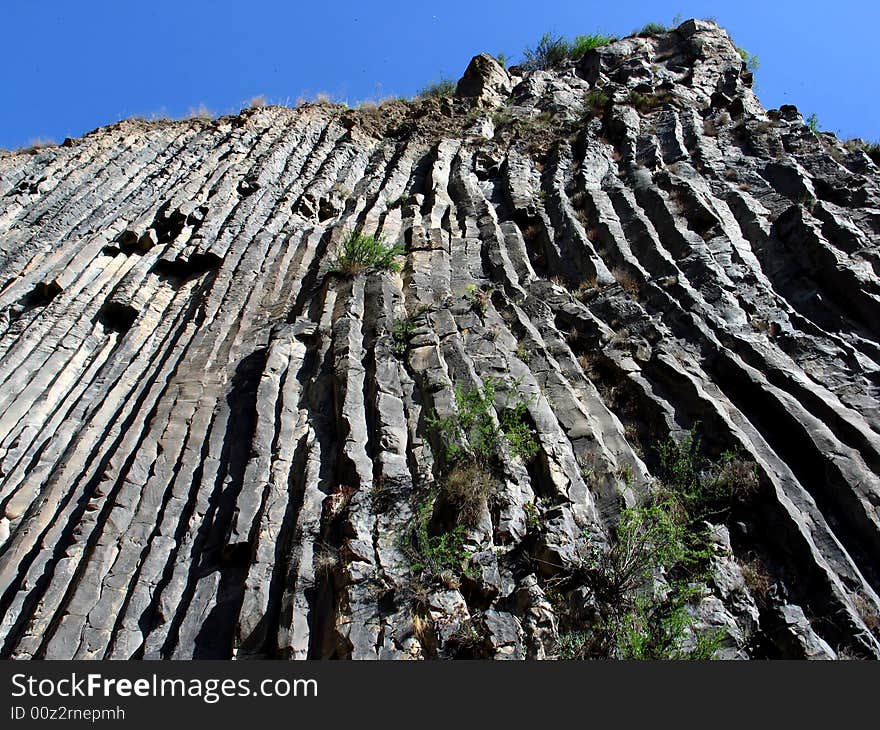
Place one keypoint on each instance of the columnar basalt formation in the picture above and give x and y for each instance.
(210, 445)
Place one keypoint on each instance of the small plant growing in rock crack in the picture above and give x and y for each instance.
(434, 558)
(472, 433)
(813, 123)
(361, 253)
(479, 298)
(401, 333)
(468, 642)
(533, 516)
(647, 103)
(596, 99)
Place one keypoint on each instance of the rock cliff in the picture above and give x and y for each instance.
(212, 445)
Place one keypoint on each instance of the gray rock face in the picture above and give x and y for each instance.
(210, 447)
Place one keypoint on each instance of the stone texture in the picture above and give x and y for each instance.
(208, 446)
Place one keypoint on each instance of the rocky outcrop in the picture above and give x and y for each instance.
(210, 446)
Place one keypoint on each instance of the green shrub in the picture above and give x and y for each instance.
(645, 103)
(439, 89)
(750, 59)
(664, 537)
(654, 630)
(401, 333)
(472, 432)
(596, 99)
(584, 43)
(554, 50)
(502, 59)
(704, 489)
(637, 621)
(649, 30)
(432, 557)
(359, 253)
(550, 51)
(813, 123)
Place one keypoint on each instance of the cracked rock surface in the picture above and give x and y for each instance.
(209, 446)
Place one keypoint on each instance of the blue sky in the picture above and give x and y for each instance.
(69, 67)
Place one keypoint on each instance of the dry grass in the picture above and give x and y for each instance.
(621, 338)
(326, 560)
(322, 97)
(468, 486)
(627, 281)
(738, 478)
(868, 613)
(256, 102)
(587, 361)
(36, 144)
(531, 232)
(339, 501)
(200, 112)
(586, 286)
(757, 579)
(578, 199)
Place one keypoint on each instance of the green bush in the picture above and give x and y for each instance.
(663, 538)
(439, 89)
(704, 489)
(472, 432)
(654, 630)
(359, 253)
(597, 99)
(401, 333)
(649, 30)
(637, 621)
(550, 51)
(554, 50)
(584, 43)
(432, 557)
(813, 123)
(750, 59)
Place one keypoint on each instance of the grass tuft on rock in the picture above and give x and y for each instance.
(360, 254)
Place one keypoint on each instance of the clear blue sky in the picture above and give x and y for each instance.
(71, 66)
